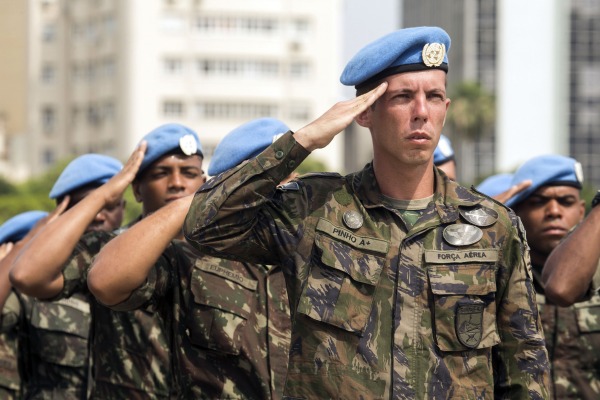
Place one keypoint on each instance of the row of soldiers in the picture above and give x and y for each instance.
(392, 282)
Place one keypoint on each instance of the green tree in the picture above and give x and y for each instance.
(473, 110)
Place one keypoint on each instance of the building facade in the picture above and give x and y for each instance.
(102, 73)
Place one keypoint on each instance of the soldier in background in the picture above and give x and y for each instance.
(54, 335)
(443, 157)
(549, 209)
(230, 320)
(402, 283)
(130, 350)
(11, 232)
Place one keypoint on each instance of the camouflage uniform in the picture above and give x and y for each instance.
(54, 347)
(10, 379)
(573, 343)
(379, 312)
(50, 343)
(129, 350)
(229, 323)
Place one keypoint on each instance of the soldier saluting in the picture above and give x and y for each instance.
(375, 312)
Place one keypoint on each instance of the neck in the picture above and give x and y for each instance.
(403, 182)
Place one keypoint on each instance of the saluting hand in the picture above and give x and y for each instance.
(512, 191)
(116, 186)
(321, 131)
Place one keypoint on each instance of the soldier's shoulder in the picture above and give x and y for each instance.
(311, 179)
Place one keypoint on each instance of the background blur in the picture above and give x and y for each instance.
(81, 76)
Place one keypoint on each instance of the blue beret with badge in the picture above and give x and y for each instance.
(245, 142)
(495, 184)
(443, 152)
(546, 170)
(15, 228)
(404, 50)
(170, 138)
(85, 170)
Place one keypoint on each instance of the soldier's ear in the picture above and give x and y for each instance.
(364, 118)
(135, 186)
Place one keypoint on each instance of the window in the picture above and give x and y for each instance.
(48, 119)
(173, 66)
(48, 73)
(299, 69)
(173, 109)
(48, 157)
(238, 68)
(209, 110)
(49, 33)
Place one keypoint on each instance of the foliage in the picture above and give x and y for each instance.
(311, 164)
(472, 111)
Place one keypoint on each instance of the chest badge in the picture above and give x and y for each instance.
(481, 216)
(462, 234)
(469, 324)
(353, 219)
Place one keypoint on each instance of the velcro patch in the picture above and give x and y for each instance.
(460, 256)
(226, 273)
(347, 236)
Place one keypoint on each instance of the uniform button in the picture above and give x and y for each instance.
(279, 154)
(291, 163)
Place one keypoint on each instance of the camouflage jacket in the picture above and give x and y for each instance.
(54, 347)
(129, 350)
(10, 377)
(573, 343)
(229, 323)
(46, 348)
(380, 312)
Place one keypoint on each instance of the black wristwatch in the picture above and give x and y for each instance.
(596, 199)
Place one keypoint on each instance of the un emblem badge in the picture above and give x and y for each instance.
(433, 54)
(468, 323)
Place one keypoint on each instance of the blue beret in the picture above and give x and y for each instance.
(495, 184)
(546, 170)
(88, 169)
(443, 152)
(409, 49)
(15, 228)
(245, 142)
(169, 138)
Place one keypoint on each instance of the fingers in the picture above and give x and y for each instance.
(5, 248)
(512, 191)
(136, 158)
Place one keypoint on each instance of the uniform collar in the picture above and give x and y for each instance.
(447, 198)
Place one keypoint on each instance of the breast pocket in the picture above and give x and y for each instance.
(223, 299)
(61, 330)
(588, 315)
(464, 306)
(340, 286)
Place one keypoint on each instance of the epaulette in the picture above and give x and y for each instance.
(320, 175)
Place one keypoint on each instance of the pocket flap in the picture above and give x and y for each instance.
(223, 288)
(70, 315)
(462, 279)
(361, 267)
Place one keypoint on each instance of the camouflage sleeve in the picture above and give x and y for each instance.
(521, 365)
(76, 268)
(157, 284)
(232, 215)
(9, 317)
